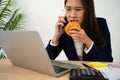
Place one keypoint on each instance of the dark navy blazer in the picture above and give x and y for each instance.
(95, 54)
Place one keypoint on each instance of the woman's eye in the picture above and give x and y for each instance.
(68, 9)
(78, 9)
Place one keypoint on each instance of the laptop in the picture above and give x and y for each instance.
(25, 49)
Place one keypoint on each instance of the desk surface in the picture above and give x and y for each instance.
(11, 72)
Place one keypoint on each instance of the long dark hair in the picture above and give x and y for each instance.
(90, 24)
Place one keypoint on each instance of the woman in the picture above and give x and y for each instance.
(91, 42)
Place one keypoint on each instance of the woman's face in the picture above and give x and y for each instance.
(74, 11)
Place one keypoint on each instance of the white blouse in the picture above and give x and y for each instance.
(79, 48)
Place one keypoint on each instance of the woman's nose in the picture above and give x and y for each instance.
(73, 14)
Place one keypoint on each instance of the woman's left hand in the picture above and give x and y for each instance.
(80, 34)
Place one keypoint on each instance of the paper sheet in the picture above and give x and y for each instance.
(111, 73)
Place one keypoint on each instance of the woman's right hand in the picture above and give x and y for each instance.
(58, 29)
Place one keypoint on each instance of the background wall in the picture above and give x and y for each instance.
(41, 15)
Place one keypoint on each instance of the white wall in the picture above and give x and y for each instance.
(41, 15)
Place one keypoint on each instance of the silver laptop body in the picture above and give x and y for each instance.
(25, 49)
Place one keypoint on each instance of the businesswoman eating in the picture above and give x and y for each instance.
(80, 34)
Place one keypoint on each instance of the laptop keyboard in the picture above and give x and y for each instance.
(59, 69)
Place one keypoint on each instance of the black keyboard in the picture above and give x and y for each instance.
(86, 74)
(59, 69)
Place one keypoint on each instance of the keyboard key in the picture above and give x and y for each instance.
(83, 72)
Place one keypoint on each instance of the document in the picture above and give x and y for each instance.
(110, 72)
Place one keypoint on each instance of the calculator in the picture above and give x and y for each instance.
(86, 74)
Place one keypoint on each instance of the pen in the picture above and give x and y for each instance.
(95, 70)
(86, 65)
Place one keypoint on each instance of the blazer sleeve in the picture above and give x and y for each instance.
(53, 51)
(98, 54)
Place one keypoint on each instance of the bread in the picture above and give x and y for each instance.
(71, 24)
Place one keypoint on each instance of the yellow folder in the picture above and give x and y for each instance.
(97, 64)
